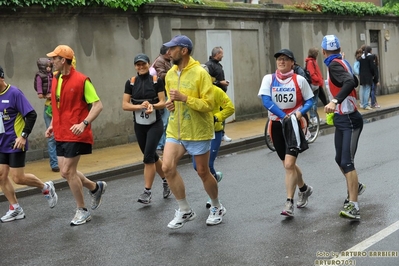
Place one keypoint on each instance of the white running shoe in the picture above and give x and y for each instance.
(225, 138)
(81, 217)
(288, 209)
(181, 218)
(13, 215)
(96, 198)
(50, 195)
(216, 215)
(303, 197)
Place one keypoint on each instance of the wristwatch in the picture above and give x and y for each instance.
(24, 135)
(334, 101)
(86, 122)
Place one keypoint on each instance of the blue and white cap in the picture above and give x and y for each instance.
(330, 43)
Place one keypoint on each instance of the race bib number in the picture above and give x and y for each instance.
(142, 118)
(285, 98)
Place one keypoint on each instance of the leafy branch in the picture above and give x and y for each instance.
(347, 8)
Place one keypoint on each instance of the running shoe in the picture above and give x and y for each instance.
(82, 216)
(181, 218)
(219, 176)
(288, 209)
(350, 212)
(313, 120)
(50, 195)
(226, 139)
(97, 196)
(13, 214)
(216, 215)
(145, 197)
(361, 189)
(166, 190)
(303, 197)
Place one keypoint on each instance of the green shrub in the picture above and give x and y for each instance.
(345, 8)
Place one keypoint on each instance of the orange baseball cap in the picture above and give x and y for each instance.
(62, 50)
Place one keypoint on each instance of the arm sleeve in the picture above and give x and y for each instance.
(316, 78)
(39, 84)
(223, 101)
(128, 88)
(310, 66)
(30, 120)
(376, 73)
(269, 105)
(205, 102)
(160, 86)
(306, 106)
(160, 67)
(90, 92)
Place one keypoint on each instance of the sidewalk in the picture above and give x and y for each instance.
(124, 159)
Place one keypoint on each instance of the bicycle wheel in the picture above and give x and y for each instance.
(268, 138)
(314, 128)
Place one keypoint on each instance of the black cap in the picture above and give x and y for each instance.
(286, 52)
(1, 72)
(141, 58)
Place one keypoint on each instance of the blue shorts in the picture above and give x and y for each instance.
(193, 147)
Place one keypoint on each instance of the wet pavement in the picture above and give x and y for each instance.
(125, 232)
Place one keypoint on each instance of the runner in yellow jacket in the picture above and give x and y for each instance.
(190, 129)
(193, 119)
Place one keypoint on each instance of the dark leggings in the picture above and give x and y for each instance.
(148, 137)
(347, 132)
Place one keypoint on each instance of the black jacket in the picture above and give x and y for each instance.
(216, 71)
(368, 74)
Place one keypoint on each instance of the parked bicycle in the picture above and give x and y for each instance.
(313, 127)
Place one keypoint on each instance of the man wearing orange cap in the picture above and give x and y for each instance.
(75, 106)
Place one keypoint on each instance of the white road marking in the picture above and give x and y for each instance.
(372, 240)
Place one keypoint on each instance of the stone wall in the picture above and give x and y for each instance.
(105, 42)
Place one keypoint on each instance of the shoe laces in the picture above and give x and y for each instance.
(214, 210)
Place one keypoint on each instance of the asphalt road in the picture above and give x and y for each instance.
(125, 232)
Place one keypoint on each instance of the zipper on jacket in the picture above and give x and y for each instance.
(178, 112)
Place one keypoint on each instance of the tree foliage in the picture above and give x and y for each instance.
(337, 7)
(348, 8)
(390, 3)
(53, 4)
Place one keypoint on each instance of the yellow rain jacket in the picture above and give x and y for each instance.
(191, 120)
(221, 100)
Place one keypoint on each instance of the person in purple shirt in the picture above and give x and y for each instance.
(17, 118)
